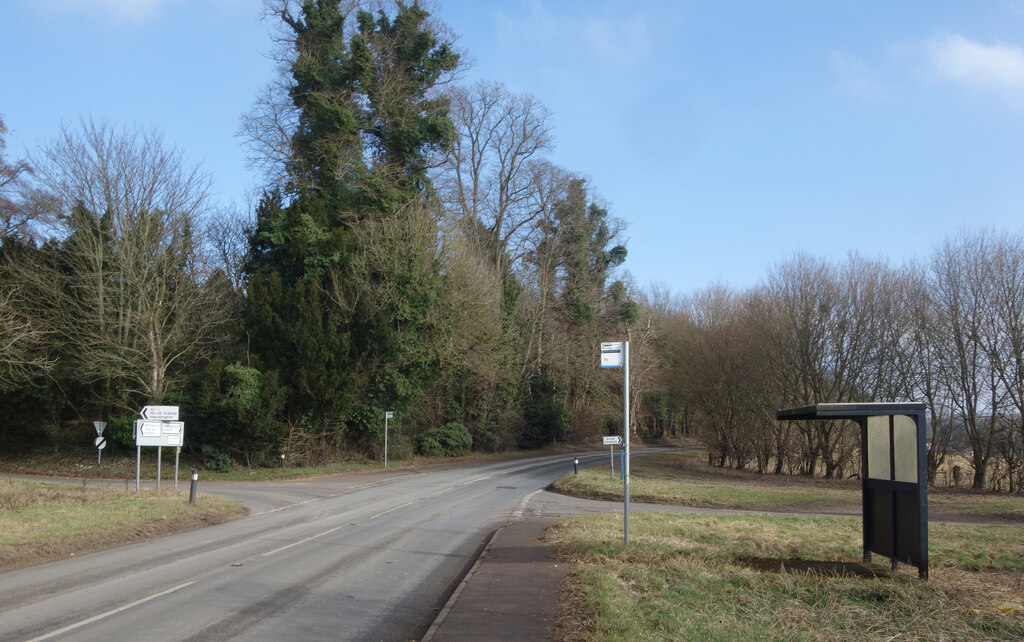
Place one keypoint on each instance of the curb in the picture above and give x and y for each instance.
(439, 620)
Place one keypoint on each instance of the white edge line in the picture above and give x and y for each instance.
(518, 512)
(96, 618)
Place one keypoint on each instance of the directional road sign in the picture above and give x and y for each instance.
(612, 441)
(160, 413)
(159, 433)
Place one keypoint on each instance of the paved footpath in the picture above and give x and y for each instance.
(511, 593)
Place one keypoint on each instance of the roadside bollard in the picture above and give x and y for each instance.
(192, 489)
(282, 460)
(576, 465)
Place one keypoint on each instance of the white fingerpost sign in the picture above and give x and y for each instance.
(616, 355)
(159, 426)
(160, 413)
(611, 442)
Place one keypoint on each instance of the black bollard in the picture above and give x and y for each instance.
(192, 489)
(576, 465)
(282, 460)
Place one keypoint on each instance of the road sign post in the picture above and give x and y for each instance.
(158, 426)
(387, 415)
(616, 355)
(611, 442)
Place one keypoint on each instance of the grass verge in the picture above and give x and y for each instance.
(681, 578)
(684, 479)
(41, 522)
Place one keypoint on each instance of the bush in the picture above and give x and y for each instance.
(217, 461)
(451, 440)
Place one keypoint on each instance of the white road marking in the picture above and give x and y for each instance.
(301, 541)
(96, 618)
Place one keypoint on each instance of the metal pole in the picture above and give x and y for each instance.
(611, 455)
(385, 440)
(138, 467)
(625, 436)
(177, 453)
(159, 456)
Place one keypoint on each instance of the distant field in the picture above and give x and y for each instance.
(685, 479)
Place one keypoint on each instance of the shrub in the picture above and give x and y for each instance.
(451, 440)
(216, 460)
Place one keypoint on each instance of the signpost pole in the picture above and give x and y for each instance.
(177, 453)
(625, 435)
(138, 466)
(611, 455)
(159, 457)
(386, 439)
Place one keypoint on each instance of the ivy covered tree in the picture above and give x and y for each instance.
(343, 282)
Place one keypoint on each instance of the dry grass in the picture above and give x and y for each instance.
(686, 480)
(42, 522)
(681, 579)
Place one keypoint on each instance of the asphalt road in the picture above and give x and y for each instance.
(361, 557)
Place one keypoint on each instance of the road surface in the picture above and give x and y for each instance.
(360, 557)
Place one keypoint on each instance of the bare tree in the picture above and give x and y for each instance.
(962, 287)
(15, 215)
(132, 297)
(487, 178)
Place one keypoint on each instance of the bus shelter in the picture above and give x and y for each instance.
(894, 475)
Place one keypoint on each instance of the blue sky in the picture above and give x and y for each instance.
(728, 135)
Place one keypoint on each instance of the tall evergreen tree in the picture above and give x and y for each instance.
(343, 281)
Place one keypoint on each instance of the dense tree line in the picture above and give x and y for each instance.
(946, 331)
(413, 252)
(416, 251)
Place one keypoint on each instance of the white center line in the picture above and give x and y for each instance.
(301, 541)
(96, 618)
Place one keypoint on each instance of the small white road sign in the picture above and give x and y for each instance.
(611, 355)
(101, 443)
(612, 441)
(160, 413)
(99, 425)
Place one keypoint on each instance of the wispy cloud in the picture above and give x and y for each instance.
(854, 76)
(622, 40)
(121, 11)
(997, 67)
(615, 39)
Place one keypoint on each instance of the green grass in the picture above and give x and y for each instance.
(681, 579)
(684, 479)
(45, 521)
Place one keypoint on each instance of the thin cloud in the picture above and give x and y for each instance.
(621, 40)
(996, 67)
(854, 76)
(121, 11)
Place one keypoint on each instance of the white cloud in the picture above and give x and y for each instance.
(621, 40)
(129, 11)
(999, 67)
(612, 39)
(854, 76)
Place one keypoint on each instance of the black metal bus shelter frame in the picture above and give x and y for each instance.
(894, 475)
